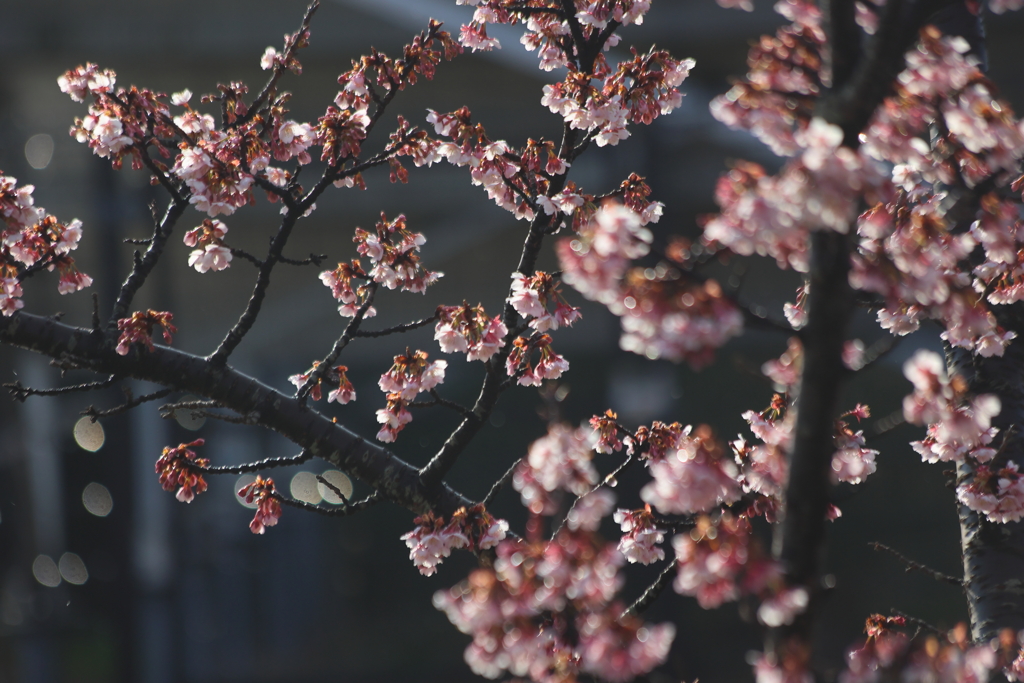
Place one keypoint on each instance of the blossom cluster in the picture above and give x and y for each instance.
(409, 375)
(519, 182)
(520, 365)
(139, 329)
(394, 253)
(546, 611)
(176, 467)
(638, 90)
(31, 238)
(960, 430)
(268, 507)
(538, 297)
(951, 656)
(343, 392)
(209, 251)
(665, 313)
(641, 535)
(352, 298)
(693, 475)
(467, 329)
(219, 168)
(433, 539)
(558, 461)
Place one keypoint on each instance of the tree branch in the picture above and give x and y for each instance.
(369, 462)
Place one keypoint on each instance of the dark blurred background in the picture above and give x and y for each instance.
(105, 577)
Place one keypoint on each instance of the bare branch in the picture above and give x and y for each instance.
(397, 329)
(912, 565)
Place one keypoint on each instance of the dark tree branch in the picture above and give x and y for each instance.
(144, 266)
(367, 461)
(252, 309)
(311, 260)
(199, 409)
(279, 70)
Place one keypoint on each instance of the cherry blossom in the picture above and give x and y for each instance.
(852, 462)
(268, 508)
(393, 251)
(607, 431)
(519, 362)
(711, 558)
(641, 536)
(85, 80)
(783, 607)
(393, 418)
(467, 329)
(693, 477)
(559, 461)
(10, 296)
(431, 541)
(139, 329)
(176, 467)
(352, 298)
(588, 512)
(211, 253)
(532, 297)
(411, 374)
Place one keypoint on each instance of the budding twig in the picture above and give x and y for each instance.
(19, 392)
(912, 565)
(132, 402)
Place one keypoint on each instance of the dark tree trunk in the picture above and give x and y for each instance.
(994, 553)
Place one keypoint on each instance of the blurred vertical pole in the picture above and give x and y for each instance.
(155, 559)
(116, 464)
(153, 556)
(39, 651)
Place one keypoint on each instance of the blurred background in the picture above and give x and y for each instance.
(105, 577)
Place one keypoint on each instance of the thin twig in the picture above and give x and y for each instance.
(397, 328)
(913, 565)
(652, 592)
(342, 511)
(132, 402)
(887, 424)
(19, 392)
(312, 260)
(609, 480)
(498, 485)
(452, 405)
(324, 367)
(335, 489)
(257, 466)
(917, 621)
(242, 253)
